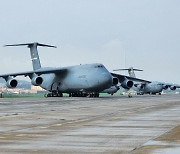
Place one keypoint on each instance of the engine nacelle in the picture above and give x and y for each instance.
(111, 90)
(172, 87)
(11, 83)
(140, 86)
(127, 84)
(115, 81)
(37, 80)
(165, 87)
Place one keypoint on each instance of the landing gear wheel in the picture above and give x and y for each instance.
(59, 95)
(53, 94)
(94, 95)
(48, 95)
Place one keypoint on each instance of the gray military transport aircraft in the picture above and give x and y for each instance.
(77, 81)
(148, 88)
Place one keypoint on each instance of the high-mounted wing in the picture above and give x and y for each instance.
(172, 86)
(124, 77)
(38, 72)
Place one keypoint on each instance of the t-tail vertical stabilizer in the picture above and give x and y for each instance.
(130, 71)
(34, 52)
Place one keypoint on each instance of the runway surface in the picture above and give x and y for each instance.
(142, 124)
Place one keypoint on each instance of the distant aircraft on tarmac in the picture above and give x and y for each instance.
(125, 82)
(148, 88)
(77, 81)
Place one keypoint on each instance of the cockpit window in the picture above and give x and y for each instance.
(99, 66)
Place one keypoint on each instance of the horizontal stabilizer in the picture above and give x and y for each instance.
(128, 69)
(31, 44)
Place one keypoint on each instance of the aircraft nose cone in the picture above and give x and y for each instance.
(100, 82)
(105, 80)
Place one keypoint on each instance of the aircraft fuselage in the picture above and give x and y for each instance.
(150, 88)
(153, 88)
(80, 78)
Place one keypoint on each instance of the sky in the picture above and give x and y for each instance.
(144, 34)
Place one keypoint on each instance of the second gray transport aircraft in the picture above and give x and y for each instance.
(148, 88)
(81, 80)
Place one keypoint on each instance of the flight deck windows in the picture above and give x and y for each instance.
(99, 66)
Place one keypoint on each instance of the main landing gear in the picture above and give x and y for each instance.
(54, 94)
(83, 95)
(80, 94)
(94, 95)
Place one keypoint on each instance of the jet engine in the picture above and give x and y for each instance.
(127, 84)
(11, 82)
(111, 90)
(165, 87)
(172, 87)
(140, 86)
(37, 80)
(115, 81)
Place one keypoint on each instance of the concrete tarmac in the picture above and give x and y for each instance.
(142, 124)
